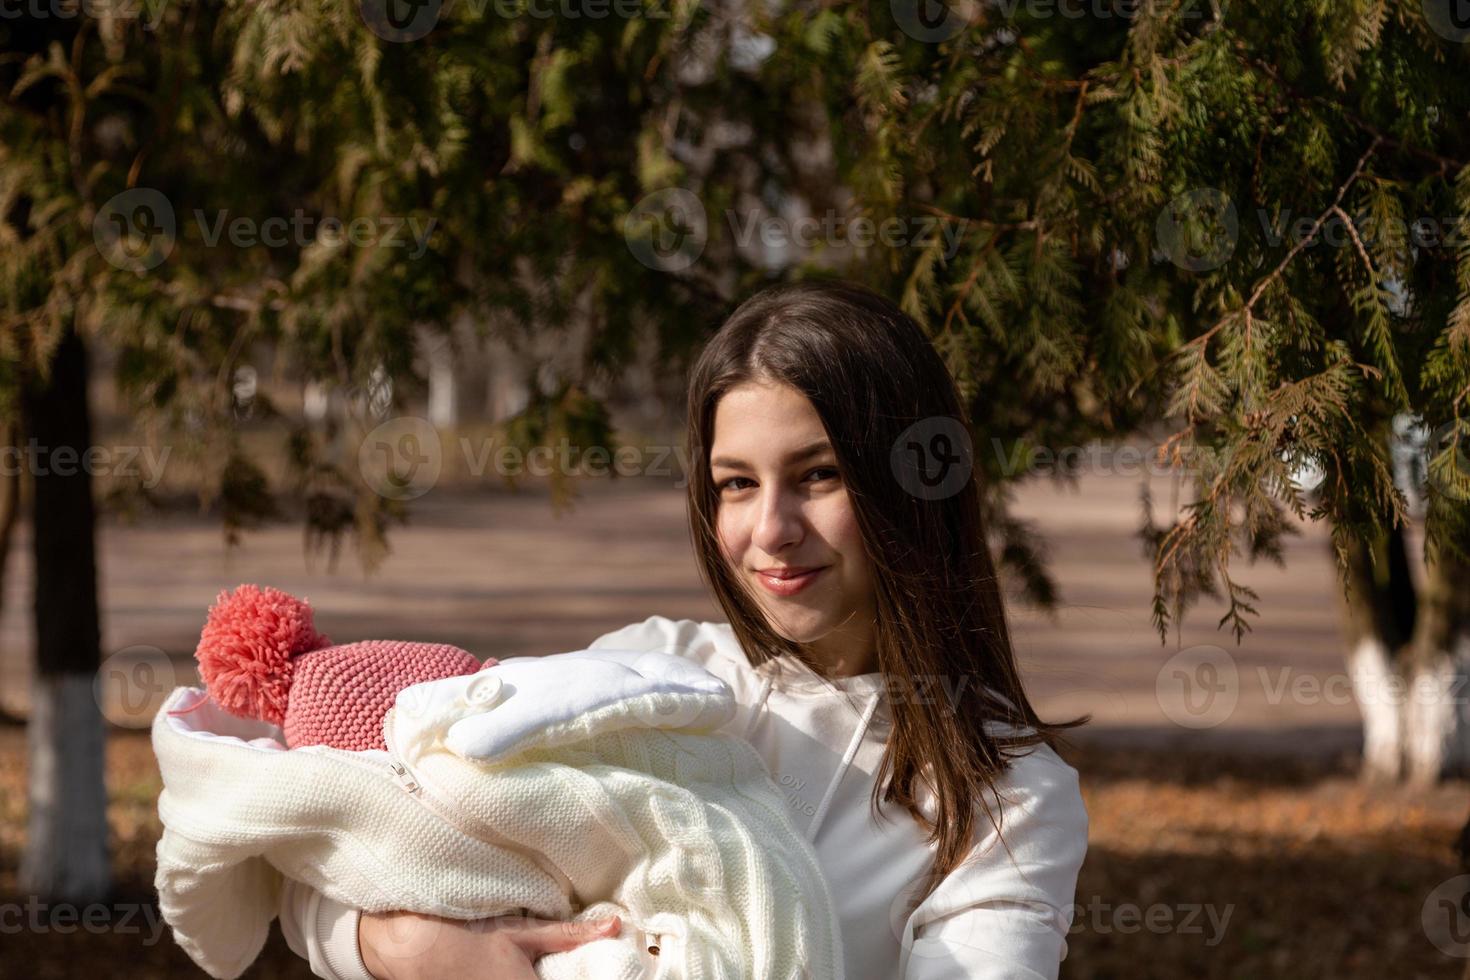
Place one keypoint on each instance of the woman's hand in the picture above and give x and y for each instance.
(410, 946)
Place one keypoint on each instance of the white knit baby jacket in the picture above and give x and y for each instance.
(573, 787)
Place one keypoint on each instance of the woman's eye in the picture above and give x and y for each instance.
(821, 472)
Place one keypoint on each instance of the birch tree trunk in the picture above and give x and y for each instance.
(1379, 615)
(65, 856)
(1436, 670)
(10, 507)
(1409, 660)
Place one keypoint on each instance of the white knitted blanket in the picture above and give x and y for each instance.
(573, 786)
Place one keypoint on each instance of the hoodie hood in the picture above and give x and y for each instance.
(868, 715)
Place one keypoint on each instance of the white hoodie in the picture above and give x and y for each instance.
(1004, 914)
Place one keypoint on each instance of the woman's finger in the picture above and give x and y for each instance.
(557, 937)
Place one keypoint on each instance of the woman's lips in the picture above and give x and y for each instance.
(791, 585)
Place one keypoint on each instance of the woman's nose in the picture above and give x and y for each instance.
(779, 523)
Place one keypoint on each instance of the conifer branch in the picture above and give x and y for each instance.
(1260, 288)
(1357, 242)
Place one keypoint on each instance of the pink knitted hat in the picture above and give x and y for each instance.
(261, 658)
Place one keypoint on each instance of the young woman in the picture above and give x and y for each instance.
(867, 647)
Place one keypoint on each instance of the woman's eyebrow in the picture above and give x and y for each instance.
(805, 452)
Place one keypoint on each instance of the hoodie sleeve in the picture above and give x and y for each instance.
(1005, 916)
(322, 931)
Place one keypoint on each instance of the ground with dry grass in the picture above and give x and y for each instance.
(1198, 866)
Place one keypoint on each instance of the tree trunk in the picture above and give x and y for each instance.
(1379, 615)
(10, 506)
(1437, 668)
(1409, 660)
(66, 851)
(443, 362)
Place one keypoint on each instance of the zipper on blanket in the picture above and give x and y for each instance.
(405, 778)
(423, 791)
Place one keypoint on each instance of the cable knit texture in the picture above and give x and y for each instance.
(573, 786)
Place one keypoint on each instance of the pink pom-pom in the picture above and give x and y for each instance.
(246, 648)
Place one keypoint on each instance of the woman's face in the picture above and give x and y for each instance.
(782, 508)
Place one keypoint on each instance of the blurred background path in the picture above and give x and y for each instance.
(500, 574)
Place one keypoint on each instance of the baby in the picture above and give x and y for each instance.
(573, 786)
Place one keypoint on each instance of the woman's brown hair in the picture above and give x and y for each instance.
(871, 374)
